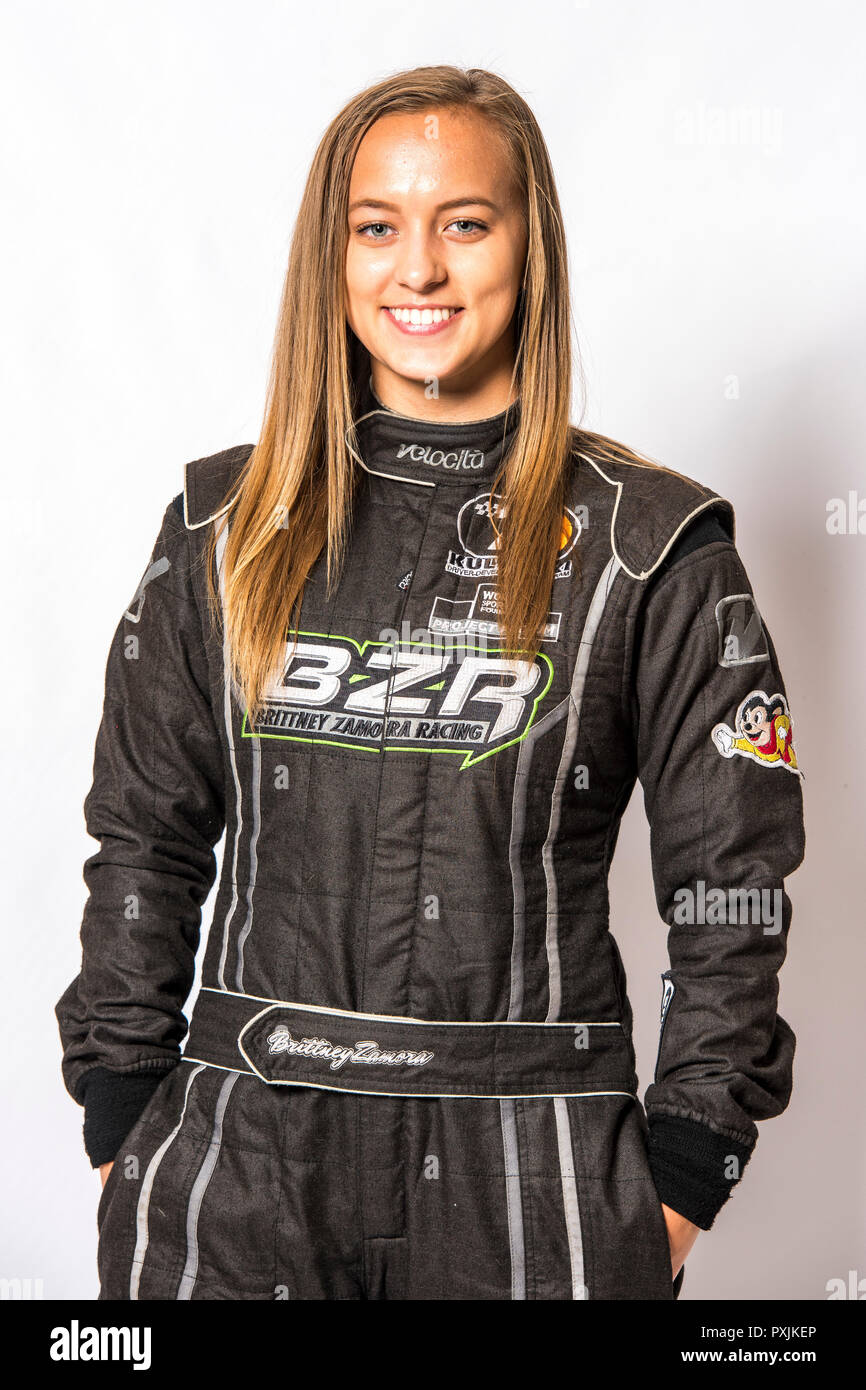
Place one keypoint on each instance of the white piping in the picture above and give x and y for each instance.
(513, 1199)
(570, 1199)
(142, 1228)
(575, 695)
(194, 525)
(522, 778)
(256, 794)
(398, 477)
(585, 649)
(222, 534)
(199, 1188)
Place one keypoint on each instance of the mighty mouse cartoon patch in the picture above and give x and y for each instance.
(762, 731)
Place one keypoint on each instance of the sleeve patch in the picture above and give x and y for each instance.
(741, 631)
(762, 731)
(153, 571)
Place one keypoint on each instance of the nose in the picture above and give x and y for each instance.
(419, 263)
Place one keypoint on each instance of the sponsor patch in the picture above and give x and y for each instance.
(455, 460)
(762, 731)
(427, 696)
(475, 558)
(479, 616)
(133, 612)
(741, 632)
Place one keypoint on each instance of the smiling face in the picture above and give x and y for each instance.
(757, 725)
(434, 261)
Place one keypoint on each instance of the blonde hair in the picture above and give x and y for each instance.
(295, 492)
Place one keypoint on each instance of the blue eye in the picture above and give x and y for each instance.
(472, 223)
(368, 225)
(377, 231)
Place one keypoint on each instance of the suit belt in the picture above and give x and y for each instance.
(291, 1044)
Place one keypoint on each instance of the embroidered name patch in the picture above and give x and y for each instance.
(762, 731)
(366, 1053)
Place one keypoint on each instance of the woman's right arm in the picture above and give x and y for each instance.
(156, 806)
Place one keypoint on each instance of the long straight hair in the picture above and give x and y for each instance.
(294, 495)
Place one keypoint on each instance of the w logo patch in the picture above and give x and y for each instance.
(741, 631)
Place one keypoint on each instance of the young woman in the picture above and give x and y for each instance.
(411, 651)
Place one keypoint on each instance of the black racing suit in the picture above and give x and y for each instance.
(409, 1071)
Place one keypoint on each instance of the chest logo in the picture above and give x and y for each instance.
(478, 542)
(452, 460)
(382, 695)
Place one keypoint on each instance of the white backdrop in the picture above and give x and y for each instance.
(711, 166)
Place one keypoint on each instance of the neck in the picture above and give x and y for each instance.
(453, 402)
(432, 453)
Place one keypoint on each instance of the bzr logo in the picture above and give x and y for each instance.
(451, 699)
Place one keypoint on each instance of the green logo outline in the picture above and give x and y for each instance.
(468, 759)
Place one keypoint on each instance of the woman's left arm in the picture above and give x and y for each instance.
(717, 760)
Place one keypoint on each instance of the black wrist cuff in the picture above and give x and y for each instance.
(693, 1167)
(113, 1101)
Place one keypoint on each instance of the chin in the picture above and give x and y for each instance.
(413, 369)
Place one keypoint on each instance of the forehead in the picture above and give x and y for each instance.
(437, 153)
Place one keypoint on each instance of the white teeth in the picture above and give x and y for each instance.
(422, 316)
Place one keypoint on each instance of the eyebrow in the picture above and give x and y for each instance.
(451, 203)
